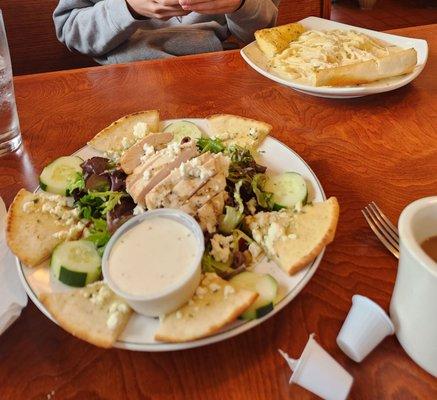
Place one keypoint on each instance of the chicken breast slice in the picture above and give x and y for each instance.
(131, 158)
(215, 185)
(208, 215)
(157, 170)
(191, 176)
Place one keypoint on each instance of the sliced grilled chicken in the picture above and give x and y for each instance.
(131, 158)
(185, 182)
(146, 177)
(209, 213)
(159, 194)
(215, 185)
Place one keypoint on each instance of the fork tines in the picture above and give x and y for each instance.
(386, 232)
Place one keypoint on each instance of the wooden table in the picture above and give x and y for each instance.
(381, 148)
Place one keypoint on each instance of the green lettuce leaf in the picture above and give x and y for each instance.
(233, 215)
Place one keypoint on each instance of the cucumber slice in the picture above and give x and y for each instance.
(76, 263)
(288, 189)
(56, 176)
(265, 285)
(181, 129)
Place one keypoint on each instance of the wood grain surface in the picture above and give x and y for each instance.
(381, 148)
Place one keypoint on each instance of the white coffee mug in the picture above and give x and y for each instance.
(413, 307)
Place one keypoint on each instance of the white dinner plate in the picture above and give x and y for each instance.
(139, 332)
(256, 59)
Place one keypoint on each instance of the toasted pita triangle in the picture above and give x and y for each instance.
(31, 235)
(314, 228)
(216, 304)
(110, 138)
(233, 129)
(77, 313)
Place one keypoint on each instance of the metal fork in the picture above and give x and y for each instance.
(381, 226)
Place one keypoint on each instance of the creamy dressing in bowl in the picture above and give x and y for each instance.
(153, 261)
(152, 256)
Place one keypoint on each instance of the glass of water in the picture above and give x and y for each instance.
(10, 137)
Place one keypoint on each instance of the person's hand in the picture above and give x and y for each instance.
(160, 9)
(211, 6)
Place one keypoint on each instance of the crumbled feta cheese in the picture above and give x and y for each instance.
(298, 207)
(214, 287)
(227, 135)
(146, 175)
(60, 235)
(148, 150)
(221, 247)
(251, 205)
(200, 291)
(228, 289)
(125, 142)
(192, 169)
(253, 133)
(113, 320)
(28, 206)
(117, 306)
(254, 250)
(138, 210)
(141, 129)
(173, 149)
(178, 315)
(274, 233)
(100, 296)
(47, 207)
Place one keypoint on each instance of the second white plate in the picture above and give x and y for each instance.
(256, 59)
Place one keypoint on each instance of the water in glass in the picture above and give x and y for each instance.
(10, 137)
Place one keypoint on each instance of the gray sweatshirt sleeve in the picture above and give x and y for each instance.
(93, 28)
(253, 15)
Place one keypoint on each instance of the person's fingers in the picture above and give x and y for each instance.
(192, 2)
(168, 2)
(166, 15)
(158, 8)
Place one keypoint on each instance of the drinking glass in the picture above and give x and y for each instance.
(10, 137)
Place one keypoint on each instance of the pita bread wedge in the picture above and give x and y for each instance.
(273, 40)
(215, 304)
(112, 138)
(33, 233)
(93, 313)
(395, 64)
(233, 129)
(292, 239)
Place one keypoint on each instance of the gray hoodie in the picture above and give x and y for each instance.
(106, 30)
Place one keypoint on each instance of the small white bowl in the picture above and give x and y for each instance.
(174, 296)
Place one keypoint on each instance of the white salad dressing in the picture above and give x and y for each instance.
(152, 256)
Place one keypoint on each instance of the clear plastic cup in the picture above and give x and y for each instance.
(10, 136)
(365, 327)
(319, 373)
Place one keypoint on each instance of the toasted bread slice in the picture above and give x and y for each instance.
(215, 304)
(131, 158)
(396, 63)
(111, 137)
(33, 234)
(93, 313)
(272, 41)
(233, 129)
(293, 240)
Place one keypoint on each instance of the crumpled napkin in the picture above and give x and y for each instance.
(13, 297)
